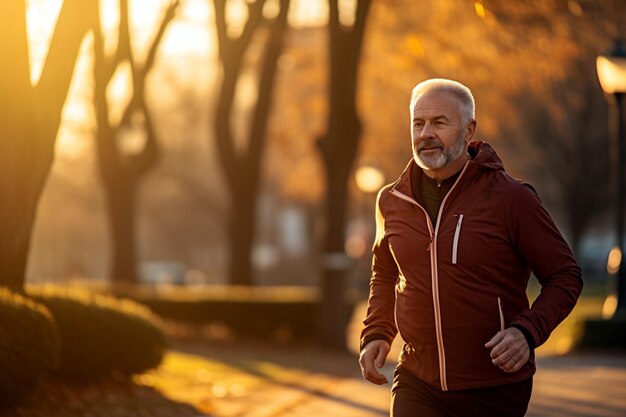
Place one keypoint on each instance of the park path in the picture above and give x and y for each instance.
(264, 381)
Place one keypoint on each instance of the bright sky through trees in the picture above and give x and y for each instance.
(190, 36)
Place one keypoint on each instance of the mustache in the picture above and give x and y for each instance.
(429, 143)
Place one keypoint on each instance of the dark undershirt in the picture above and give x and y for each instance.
(428, 192)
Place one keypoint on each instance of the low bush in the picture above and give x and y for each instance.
(284, 314)
(29, 346)
(101, 334)
(601, 333)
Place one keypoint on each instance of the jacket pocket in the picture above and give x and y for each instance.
(455, 242)
(501, 314)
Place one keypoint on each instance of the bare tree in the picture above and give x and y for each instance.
(30, 120)
(566, 121)
(338, 146)
(242, 167)
(122, 172)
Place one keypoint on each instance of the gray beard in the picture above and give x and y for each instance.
(441, 160)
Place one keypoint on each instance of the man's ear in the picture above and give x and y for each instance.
(469, 131)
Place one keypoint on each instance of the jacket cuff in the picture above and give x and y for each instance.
(370, 338)
(529, 337)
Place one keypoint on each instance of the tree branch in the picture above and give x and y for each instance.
(273, 50)
(139, 74)
(75, 19)
(231, 52)
(108, 154)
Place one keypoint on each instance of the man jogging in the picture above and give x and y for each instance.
(456, 241)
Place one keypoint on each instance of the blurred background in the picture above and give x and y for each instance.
(530, 65)
(221, 143)
(218, 161)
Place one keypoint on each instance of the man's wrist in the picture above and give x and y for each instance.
(527, 335)
(370, 338)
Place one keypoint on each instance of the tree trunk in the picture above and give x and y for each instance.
(242, 226)
(122, 221)
(334, 313)
(338, 148)
(16, 224)
(29, 124)
(242, 168)
(120, 173)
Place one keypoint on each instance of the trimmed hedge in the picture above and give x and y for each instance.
(29, 346)
(284, 314)
(101, 334)
(602, 333)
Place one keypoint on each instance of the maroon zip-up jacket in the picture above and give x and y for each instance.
(449, 287)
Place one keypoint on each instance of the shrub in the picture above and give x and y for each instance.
(601, 333)
(283, 314)
(29, 346)
(101, 334)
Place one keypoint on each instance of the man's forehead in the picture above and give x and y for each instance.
(436, 103)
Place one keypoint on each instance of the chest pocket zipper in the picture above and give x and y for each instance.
(455, 242)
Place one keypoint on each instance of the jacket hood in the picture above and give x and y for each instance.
(482, 154)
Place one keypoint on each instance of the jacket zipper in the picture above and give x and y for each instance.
(434, 275)
(455, 242)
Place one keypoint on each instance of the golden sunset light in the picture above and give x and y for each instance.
(214, 208)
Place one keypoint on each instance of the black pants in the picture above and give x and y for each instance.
(411, 397)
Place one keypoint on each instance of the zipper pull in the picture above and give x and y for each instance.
(430, 244)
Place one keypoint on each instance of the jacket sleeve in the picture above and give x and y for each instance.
(542, 247)
(379, 321)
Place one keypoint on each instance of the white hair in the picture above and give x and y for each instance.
(460, 91)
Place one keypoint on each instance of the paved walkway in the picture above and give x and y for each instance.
(269, 382)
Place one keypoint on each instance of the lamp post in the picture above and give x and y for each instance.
(612, 75)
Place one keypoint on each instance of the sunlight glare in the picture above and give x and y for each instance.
(119, 92)
(196, 11)
(355, 246)
(110, 20)
(189, 33)
(347, 12)
(75, 112)
(77, 115)
(609, 307)
(70, 144)
(204, 376)
(307, 13)
(132, 139)
(369, 179)
(480, 8)
(564, 346)
(145, 18)
(236, 16)
(614, 261)
(271, 9)
(219, 391)
(41, 18)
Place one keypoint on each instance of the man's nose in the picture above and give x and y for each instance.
(427, 131)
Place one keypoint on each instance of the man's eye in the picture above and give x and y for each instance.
(418, 124)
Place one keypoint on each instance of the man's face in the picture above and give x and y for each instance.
(437, 134)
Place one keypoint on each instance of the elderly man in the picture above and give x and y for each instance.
(456, 241)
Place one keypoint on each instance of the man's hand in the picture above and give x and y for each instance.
(509, 349)
(372, 358)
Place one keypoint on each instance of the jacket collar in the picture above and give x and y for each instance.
(482, 158)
